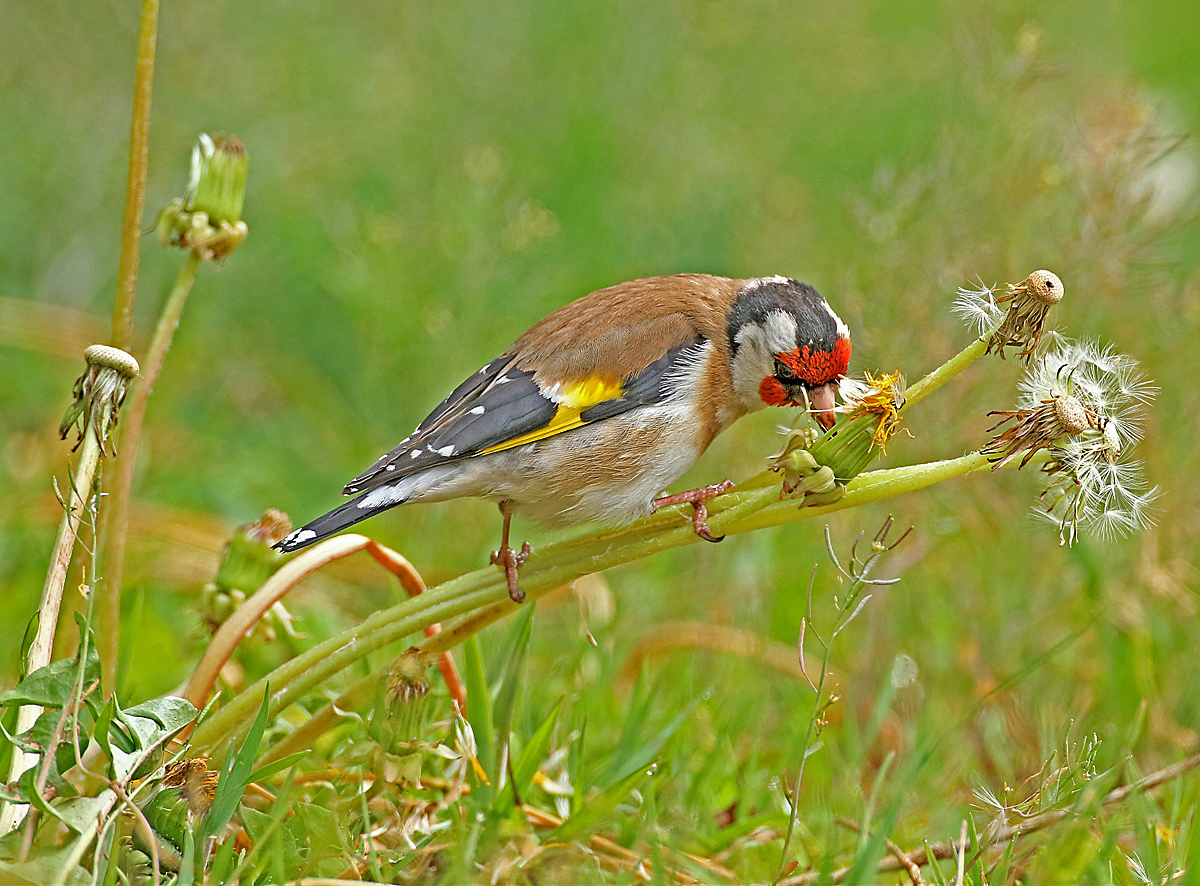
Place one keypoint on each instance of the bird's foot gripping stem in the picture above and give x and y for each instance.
(511, 560)
(697, 499)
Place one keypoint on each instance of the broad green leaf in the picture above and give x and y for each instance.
(81, 814)
(51, 686)
(324, 831)
(169, 712)
(44, 866)
(596, 809)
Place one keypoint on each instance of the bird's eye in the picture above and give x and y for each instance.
(784, 374)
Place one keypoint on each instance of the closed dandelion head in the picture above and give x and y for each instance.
(99, 393)
(406, 680)
(882, 397)
(1028, 303)
(197, 783)
(1093, 483)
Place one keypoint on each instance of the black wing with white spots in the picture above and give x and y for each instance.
(501, 407)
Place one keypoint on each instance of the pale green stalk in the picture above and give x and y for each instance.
(42, 648)
(952, 367)
(482, 596)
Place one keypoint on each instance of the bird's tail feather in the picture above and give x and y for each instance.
(368, 504)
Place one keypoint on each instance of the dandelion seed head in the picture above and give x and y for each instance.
(1092, 483)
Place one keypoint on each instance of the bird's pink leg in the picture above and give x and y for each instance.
(697, 498)
(509, 559)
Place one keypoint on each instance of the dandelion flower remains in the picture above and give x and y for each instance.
(99, 393)
(1029, 302)
(881, 396)
(1084, 404)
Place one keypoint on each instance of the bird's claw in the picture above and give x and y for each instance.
(511, 561)
(697, 498)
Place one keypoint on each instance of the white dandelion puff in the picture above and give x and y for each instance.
(1093, 484)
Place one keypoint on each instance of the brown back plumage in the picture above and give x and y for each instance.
(645, 318)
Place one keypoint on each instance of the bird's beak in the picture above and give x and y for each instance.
(821, 402)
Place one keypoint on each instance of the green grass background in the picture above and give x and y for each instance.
(427, 180)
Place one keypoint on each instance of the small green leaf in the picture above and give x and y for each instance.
(589, 817)
(51, 686)
(277, 766)
(28, 785)
(236, 774)
(103, 721)
(187, 868)
(479, 711)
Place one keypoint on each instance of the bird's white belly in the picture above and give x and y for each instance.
(609, 472)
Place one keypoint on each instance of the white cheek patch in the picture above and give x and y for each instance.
(780, 329)
(751, 364)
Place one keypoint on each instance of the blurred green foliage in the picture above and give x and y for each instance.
(426, 180)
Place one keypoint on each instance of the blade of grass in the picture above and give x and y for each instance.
(596, 809)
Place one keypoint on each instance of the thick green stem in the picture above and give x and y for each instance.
(109, 608)
(481, 597)
(42, 648)
(945, 372)
(135, 182)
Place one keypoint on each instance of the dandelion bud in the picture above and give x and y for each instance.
(247, 561)
(855, 441)
(182, 801)
(1029, 302)
(99, 393)
(405, 701)
(208, 219)
(218, 178)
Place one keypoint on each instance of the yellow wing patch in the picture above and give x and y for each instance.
(572, 398)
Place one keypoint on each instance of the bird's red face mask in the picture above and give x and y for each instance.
(808, 377)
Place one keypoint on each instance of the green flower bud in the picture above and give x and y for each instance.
(208, 219)
(217, 184)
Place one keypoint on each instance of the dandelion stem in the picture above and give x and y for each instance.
(135, 185)
(109, 609)
(42, 648)
(952, 367)
(480, 598)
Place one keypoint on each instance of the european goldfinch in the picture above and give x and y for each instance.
(607, 401)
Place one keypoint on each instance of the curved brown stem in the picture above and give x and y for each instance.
(240, 623)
